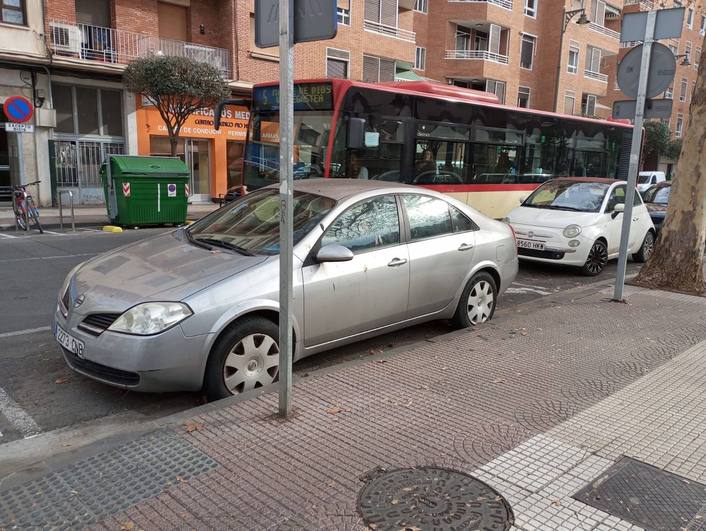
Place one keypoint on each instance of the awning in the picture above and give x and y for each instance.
(408, 75)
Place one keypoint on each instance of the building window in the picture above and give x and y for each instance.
(588, 104)
(690, 17)
(12, 12)
(687, 52)
(682, 89)
(420, 58)
(527, 51)
(702, 29)
(523, 97)
(531, 8)
(569, 102)
(82, 110)
(422, 6)
(573, 64)
(674, 49)
(463, 38)
(697, 58)
(679, 129)
(593, 59)
(376, 69)
(497, 88)
(669, 93)
(344, 16)
(337, 63)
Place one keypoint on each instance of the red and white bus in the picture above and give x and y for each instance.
(455, 140)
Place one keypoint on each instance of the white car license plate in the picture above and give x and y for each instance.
(69, 342)
(528, 244)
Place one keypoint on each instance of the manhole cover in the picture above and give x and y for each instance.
(431, 498)
(646, 496)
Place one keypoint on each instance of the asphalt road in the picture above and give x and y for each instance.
(38, 393)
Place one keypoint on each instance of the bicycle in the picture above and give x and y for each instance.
(24, 207)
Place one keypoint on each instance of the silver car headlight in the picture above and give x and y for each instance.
(572, 231)
(64, 297)
(151, 318)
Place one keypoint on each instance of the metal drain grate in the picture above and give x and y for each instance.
(431, 498)
(646, 496)
(104, 484)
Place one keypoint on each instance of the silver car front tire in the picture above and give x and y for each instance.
(478, 301)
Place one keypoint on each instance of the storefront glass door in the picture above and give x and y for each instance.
(199, 163)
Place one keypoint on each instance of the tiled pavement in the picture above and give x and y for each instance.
(537, 404)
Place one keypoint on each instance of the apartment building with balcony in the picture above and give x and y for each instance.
(688, 51)
(528, 52)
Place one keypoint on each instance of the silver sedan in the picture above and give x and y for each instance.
(196, 308)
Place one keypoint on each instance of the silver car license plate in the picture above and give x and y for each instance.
(69, 342)
(528, 244)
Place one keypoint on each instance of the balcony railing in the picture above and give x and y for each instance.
(605, 31)
(389, 31)
(482, 55)
(108, 45)
(647, 5)
(505, 4)
(596, 75)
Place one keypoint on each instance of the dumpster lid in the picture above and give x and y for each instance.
(129, 164)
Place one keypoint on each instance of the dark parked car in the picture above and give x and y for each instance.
(656, 199)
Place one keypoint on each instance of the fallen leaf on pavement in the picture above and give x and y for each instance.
(335, 410)
(127, 526)
(374, 351)
(61, 381)
(380, 361)
(180, 479)
(192, 425)
(556, 503)
(499, 380)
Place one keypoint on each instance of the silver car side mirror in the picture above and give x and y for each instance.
(334, 253)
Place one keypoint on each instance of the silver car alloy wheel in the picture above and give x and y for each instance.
(252, 363)
(480, 302)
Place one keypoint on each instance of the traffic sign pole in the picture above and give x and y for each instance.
(286, 195)
(634, 155)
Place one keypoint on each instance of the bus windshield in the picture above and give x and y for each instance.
(311, 133)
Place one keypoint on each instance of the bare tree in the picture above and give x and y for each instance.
(177, 87)
(677, 261)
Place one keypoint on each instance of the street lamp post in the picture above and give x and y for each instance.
(568, 16)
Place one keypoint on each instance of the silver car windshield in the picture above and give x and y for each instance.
(250, 225)
(568, 195)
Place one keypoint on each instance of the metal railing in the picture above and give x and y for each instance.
(389, 31)
(482, 55)
(505, 4)
(596, 75)
(61, 209)
(644, 4)
(605, 31)
(117, 46)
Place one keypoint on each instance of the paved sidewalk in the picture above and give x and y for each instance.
(87, 216)
(538, 404)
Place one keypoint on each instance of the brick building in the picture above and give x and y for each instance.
(68, 57)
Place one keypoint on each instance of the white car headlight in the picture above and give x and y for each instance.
(151, 318)
(572, 231)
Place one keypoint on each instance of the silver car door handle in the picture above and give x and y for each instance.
(465, 247)
(635, 219)
(397, 262)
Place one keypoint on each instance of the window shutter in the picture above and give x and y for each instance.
(372, 10)
(371, 69)
(387, 70)
(388, 12)
(494, 44)
(336, 68)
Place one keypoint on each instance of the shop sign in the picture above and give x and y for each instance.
(234, 123)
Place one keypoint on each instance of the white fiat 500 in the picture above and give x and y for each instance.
(577, 222)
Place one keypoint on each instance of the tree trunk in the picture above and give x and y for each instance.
(174, 143)
(677, 261)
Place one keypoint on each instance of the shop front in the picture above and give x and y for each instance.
(214, 158)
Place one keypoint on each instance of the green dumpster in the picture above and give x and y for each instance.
(142, 191)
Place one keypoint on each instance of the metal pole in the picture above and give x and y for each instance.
(61, 211)
(286, 164)
(73, 218)
(561, 56)
(634, 154)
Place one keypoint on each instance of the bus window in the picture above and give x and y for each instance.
(494, 164)
(383, 161)
(439, 162)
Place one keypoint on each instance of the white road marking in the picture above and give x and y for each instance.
(25, 332)
(519, 291)
(57, 257)
(55, 233)
(528, 285)
(17, 416)
(9, 236)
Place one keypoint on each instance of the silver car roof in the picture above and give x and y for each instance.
(338, 189)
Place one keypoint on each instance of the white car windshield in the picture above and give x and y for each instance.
(642, 179)
(250, 225)
(569, 195)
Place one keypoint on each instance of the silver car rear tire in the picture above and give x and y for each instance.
(246, 357)
(478, 301)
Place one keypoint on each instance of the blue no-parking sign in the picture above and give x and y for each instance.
(171, 190)
(18, 109)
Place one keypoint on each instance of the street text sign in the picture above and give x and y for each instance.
(18, 109)
(314, 20)
(669, 24)
(625, 109)
(12, 127)
(663, 66)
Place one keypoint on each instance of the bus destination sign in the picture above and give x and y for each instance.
(307, 97)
